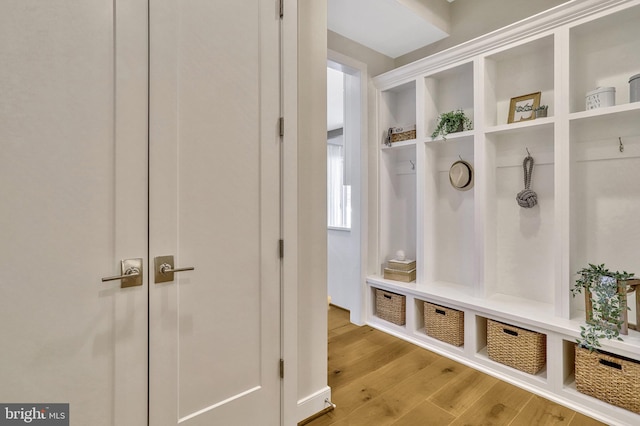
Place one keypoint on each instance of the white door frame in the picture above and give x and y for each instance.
(304, 227)
(355, 108)
(289, 295)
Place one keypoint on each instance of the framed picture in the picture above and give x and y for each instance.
(522, 107)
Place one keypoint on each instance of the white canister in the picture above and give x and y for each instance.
(634, 88)
(601, 97)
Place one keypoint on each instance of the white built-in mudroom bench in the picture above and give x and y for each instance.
(478, 252)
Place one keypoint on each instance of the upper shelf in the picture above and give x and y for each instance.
(398, 109)
(458, 136)
(624, 110)
(445, 91)
(606, 123)
(515, 72)
(604, 53)
(522, 126)
(399, 145)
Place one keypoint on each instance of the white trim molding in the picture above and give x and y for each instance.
(314, 403)
(533, 25)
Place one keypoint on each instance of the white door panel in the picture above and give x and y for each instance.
(215, 331)
(73, 188)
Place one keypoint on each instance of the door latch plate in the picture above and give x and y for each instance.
(158, 263)
(131, 265)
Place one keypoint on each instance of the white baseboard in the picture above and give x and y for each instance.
(314, 403)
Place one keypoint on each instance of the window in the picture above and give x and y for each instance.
(338, 194)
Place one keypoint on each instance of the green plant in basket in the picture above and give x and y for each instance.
(607, 304)
(451, 122)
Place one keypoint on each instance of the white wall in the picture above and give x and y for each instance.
(343, 268)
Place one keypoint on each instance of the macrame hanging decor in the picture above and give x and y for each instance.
(527, 198)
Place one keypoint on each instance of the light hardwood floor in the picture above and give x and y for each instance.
(377, 379)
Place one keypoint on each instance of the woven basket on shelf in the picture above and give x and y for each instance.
(444, 324)
(609, 378)
(404, 136)
(516, 347)
(390, 306)
(404, 276)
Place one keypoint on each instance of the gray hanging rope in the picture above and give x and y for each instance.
(527, 198)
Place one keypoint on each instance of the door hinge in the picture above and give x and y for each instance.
(281, 8)
(282, 368)
(281, 248)
(281, 124)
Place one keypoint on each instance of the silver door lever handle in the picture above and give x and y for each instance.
(129, 273)
(165, 268)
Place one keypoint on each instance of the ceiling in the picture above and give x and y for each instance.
(390, 27)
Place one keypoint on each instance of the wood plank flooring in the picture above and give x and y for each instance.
(377, 379)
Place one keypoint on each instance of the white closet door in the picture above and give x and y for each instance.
(73, 191)
(215, 206)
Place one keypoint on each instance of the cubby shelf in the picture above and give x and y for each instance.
(613, 112)
(520, 127)
(399, 145)
(479, 252)
(465, 135)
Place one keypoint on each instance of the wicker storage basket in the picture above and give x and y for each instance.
(444, 324)
(390, 306)
(404, 133)
(516, 347)
(404, 136)
(609, 378)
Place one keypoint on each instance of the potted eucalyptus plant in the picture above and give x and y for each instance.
(451, 122)
(604, 319)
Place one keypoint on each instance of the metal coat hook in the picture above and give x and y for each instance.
(413, 165)
(621, 144)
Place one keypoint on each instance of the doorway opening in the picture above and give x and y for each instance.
(346, 183)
